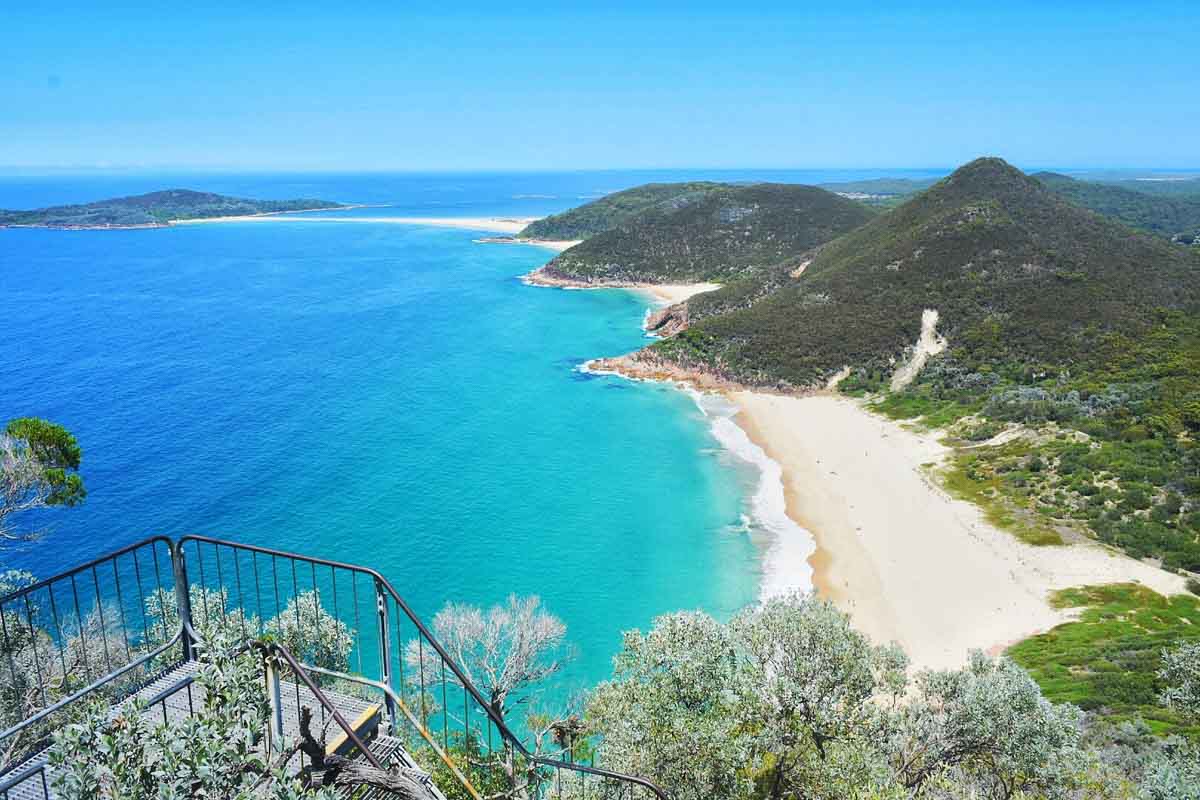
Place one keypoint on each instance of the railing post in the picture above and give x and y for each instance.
(275, 702)
(385, 650)
(183, 599)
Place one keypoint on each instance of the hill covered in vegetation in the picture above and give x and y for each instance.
(1020, 280)
(153, 210)
(720, 234)
(1166, 215)
(1048, 317)
(616, 209)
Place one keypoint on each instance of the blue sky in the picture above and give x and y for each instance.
(374, 86)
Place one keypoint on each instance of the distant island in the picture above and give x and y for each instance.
(154, 210)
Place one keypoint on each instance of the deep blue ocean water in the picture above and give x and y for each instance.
(376, 393)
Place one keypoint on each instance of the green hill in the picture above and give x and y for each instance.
(1169, 216)
(153, 209)
(615, 209)
(1016, 274)
(1054, 318)
(726, 232)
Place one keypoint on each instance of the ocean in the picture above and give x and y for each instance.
(384, 394)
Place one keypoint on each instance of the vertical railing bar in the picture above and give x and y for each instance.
(183, 598)
(121, 608)
(357, 621)
(445, 710)
(467, 743)
(8, 648)
(385, 646)
(275, 583)
(137, 574)
(100, 612)
(223, 592)
(421, 673)
(62, 639)
(316, 599)
(257, 591)
(203, 588)
(79, 621)
(237, 576)
(33, 646)
(159, 585)
(296, 598)
(333, 582)
(400, 653)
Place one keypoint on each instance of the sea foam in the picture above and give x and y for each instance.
(785, 566)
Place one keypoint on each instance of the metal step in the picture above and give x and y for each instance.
(391, 752)
(178, 698)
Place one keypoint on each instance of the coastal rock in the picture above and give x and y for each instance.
(667, 321)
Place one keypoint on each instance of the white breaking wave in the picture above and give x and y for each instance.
(785, 566)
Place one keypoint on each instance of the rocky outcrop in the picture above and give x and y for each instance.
(667, 321)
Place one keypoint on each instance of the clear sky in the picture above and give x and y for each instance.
(504, 85)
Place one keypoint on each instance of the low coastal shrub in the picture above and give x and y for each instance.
(1193, 585)
(1107, 661)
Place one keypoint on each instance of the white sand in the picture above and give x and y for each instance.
(507, 225)
(908, 562)
(671, 293)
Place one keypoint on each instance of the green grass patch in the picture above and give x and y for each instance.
(1106, 662)
(933, 413)
(995, 494)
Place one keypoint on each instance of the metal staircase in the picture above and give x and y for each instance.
(125, 628)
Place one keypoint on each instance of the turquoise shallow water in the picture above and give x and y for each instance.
(375, 393)
(381, 394)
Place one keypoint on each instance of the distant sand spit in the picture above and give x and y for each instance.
(508, 225)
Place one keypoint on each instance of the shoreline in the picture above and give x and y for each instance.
(908, 562)
(171, 223)
(663, 294)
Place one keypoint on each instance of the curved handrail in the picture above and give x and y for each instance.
(70, 574)
(276, 649)
(467, 685)
(95, 562)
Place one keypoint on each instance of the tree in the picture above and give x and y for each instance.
(672, 709)
(38, 469)
(506, 651)
(1174, 772)
(1181, 674)
(786, 700)
(812, 683)
(989, 727)
(312, 634)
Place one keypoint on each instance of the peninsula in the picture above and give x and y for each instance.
(155, 210)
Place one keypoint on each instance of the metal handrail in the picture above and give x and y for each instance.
(189, 638)
(87, 565)
(505, 732)
(88, 571)
(91, 687)
(276, 649)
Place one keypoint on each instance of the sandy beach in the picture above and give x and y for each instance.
(506, 225)
(659, 293)
(910, 563)
(671, 293)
